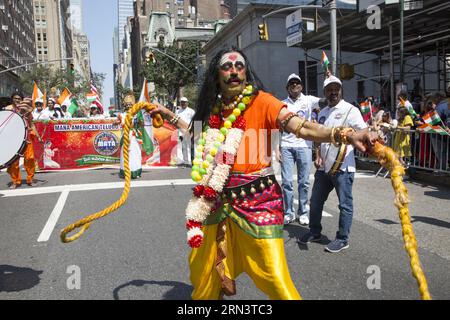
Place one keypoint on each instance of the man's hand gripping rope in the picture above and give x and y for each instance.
(84, 223)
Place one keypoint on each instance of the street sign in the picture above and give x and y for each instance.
(294, 26)
(412, 5)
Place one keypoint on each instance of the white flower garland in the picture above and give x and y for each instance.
(198, 209)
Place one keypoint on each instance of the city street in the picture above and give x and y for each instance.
(140, 251)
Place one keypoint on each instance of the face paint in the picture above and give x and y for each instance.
(232, 74)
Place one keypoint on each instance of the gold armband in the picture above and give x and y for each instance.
(299, 127)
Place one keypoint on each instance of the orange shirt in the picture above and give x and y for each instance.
(255, 151)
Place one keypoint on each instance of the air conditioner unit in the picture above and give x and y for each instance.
(5, 27)
(7, 48)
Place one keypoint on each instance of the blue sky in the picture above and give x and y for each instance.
(99, 20)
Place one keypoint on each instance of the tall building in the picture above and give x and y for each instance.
(125, 10)
(17, 42)
(53, 30)
(76, 16)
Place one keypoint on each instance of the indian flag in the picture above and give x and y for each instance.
(145, 95)
(145, 133)
(37, 94)
(433, 129)
(73, 107)
(91, 97)
(325, 62)
(366, 110)
(409, 107)
(64, 98)
(432, 118)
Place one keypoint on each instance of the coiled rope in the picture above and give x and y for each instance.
(85, 223)
(388, 159)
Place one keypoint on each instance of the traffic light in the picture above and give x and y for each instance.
(346, 71)
(150, 57)
(263, 34)
(72, 68)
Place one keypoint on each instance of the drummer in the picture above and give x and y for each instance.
(337, 113)
(24, 108)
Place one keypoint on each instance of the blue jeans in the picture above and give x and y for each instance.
(323, 185)
(303, 158)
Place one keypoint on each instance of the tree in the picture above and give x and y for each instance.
(54, 80)
(168, 75)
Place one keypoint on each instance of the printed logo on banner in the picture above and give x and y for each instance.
(106, 143)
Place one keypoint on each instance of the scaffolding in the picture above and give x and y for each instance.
(401, 38)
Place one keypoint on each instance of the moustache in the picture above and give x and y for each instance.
(233, 79)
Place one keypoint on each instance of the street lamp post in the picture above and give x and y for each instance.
(34, 63)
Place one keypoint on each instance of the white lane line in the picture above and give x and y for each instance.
(93, 186)
(54, 216)
(324, 213)
(114, 185)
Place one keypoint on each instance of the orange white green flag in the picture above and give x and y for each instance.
(37, 94)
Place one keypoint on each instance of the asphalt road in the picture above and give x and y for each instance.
(140, 251)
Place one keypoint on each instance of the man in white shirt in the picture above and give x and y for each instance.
(329, 176)
(184, 151)
(296, 151)
(39, 113)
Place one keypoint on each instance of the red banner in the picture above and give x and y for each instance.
(85, 143)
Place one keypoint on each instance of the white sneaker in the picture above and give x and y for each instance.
(288, 218)
(303, 219)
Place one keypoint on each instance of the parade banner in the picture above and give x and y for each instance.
(86, 143)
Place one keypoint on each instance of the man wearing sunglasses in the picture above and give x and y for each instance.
(295, 151)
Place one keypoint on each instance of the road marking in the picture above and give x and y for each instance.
(324, 213)
(54, 216)
(115, 185)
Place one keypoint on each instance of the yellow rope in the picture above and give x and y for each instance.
(84, 223)
(388, 159)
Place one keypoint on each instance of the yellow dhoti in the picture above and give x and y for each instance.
(262, 259)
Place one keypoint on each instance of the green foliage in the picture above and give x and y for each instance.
(54, 80)
(168, 75)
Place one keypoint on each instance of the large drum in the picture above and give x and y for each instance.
(13, 137)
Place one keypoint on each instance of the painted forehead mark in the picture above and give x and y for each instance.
(232, 57)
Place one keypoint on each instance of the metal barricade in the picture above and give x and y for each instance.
(429, 151)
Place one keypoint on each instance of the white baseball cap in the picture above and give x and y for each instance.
(39, 100)
(330, 80)
(293, 76)
(184, 99)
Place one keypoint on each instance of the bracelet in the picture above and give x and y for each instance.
(174, 119)
(299, 127)
(284, 123)
(343, 134)
(333, 136)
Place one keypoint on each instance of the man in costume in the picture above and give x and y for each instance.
(235, 219)
(328, 176)
(138, 137)
(25, 109)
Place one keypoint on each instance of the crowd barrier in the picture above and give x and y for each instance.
(429, 151)
(87, 143)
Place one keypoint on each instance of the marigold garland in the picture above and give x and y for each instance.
(214, 158)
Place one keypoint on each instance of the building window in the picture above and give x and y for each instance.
(180, 2)
(181, 12)
(44, 36)
(168, 5)
(38, 37)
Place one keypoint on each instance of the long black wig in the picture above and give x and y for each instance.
(208, 95)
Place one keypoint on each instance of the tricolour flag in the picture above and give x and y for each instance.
(433, 129)
(432, 118)
(73, 106)
(408, 106)
(145, 133)
(366, 110)
(64, 98)
(37, 94)
(325, 62)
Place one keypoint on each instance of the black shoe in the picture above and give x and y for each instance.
(309, 237)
